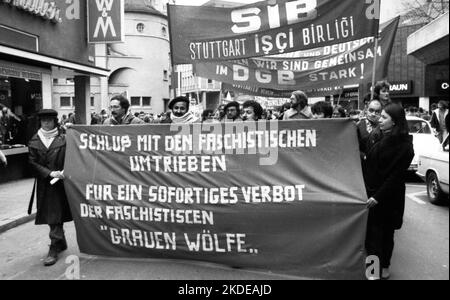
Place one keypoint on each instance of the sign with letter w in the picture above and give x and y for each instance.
(106, 21)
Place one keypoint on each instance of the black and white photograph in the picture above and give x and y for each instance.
(224, 147)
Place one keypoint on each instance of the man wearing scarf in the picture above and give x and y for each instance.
(180, 113)
(120, 113)
(47, 154)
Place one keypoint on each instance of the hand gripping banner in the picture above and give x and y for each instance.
(281, 196)
(267, 28)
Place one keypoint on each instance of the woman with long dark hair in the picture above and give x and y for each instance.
(387, 162)
(47, 154)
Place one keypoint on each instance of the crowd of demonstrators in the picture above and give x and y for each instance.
(46, 157)
(413, 111)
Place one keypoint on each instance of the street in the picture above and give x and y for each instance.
(421, 252)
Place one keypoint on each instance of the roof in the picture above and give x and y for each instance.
(423, 12)
(142, 6)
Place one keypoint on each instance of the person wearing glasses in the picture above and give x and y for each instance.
(120, 113)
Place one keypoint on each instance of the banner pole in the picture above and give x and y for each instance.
(340, 95)
(374, 70)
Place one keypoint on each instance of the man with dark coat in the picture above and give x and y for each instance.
(368, 128)
(47, 153)
(120, 113)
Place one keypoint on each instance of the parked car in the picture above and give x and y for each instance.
(433, 169)
(424, 139)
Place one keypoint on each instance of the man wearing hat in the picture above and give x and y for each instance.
(180, 113)
(120, 113)
(46, 157)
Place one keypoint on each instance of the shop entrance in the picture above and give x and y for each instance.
(20, 99)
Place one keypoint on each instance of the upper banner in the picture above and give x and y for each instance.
(271, 93)
(262, 28)
(320, 70)
(282, 196)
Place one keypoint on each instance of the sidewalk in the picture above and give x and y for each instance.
(14, 199)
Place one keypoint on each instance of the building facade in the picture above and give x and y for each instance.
(416, 80)
(37, 44)
(140, 67)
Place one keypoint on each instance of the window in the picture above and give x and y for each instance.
(55, 81)
(164, 31)
(135, 101)
(92, 101)
(419, 127)
(65, 102)
(140, 27)
(166, 75)
(146, 101)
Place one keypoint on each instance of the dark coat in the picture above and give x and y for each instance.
(366, 139)
(52, 205)
(386, 164)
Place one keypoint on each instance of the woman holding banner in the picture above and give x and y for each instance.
(47, 154)
(387, 163)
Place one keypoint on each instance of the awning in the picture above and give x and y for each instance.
(52, 61)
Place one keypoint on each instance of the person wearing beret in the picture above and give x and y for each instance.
(46, 157)
(180, 113)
